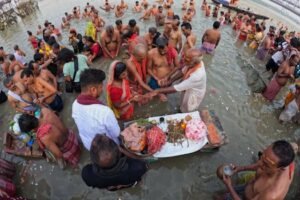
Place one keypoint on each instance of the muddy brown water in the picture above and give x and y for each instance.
(250, 122)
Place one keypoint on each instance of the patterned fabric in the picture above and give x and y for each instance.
(71, 149)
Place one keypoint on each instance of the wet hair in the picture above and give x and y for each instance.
(132, 23)
(136, 2)
(216, 24)
(295, 42)
(282, 32)
(152, 30)
(1, 48)
(16, 47)
(102, 145)
(65, 55)
(222, 13)
(161, 41)
(119, 69)
(91, 77)
(1, 59)
(119, 22)
(38, 57)
(46, 24)
(27, 123)
(11, 57)
(284, 151)
(176, 17)
(26, 73)
(51, 41)
(186, 25)
(29, 33)
(160, 7)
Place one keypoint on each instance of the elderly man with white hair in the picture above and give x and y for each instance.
(193, 84)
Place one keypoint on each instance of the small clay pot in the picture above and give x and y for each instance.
(220, 171)
(224, 169)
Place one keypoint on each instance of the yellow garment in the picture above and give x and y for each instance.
(110, 104)
(245, 177)
(46, 51)
(90, 30)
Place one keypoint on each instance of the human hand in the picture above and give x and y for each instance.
(227, 180)
(163, 97)
(136, 98)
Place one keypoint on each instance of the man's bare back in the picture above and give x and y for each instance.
(212, 36)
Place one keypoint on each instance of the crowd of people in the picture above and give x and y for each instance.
(152, 65)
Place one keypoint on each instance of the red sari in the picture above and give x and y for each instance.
(119, 95)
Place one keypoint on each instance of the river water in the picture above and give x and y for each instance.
(250, 122)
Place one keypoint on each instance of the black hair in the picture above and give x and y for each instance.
(29, 33)
(30, 65)
(90, 39)
(119, 69)
(216, 25)
(1, 59)
(102, 145)
(119, 22)
(295, 42)
(284, 151)
(282, 32)
(11, 57)
(87, 49)
(55, 46)
(26, 73)
(161, 41)
(1, 48)
(7, 80)
(27, 123)
(65, 55)
(136, 2)
(152, 30)
(160, 7)
(176, 17)
(38, 57)
(16, 47)
(132, 23)
(186, 25)
(91, 77)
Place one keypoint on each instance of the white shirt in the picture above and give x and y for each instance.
(194, 89)
(95, 119)
(20, 58)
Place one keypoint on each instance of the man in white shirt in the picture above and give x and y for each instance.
(193, 84)
(90, 115)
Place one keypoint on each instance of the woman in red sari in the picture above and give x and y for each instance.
(119, 97)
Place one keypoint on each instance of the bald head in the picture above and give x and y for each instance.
(140, 50)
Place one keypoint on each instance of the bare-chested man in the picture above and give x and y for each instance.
(137, 69)
(211, 39)
(190, 42)
(53, 136)
(160, 17)
(188, 16)
(284, 73)
(162, 62)
(4, 66)
(175, 39)
(42, 91)
(15, 65)
(110, 42)
(119, 12)
(120, 27)
(135, 29)
(107, 7)
(44, 74)
(274, 175)
(150, 37)
(18, 97)
(154, 10)
(98, 21)
(123, 5)
(167, 29)
(137, 7)
(147, 13)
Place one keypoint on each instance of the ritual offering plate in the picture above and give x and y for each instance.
(166, 136)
